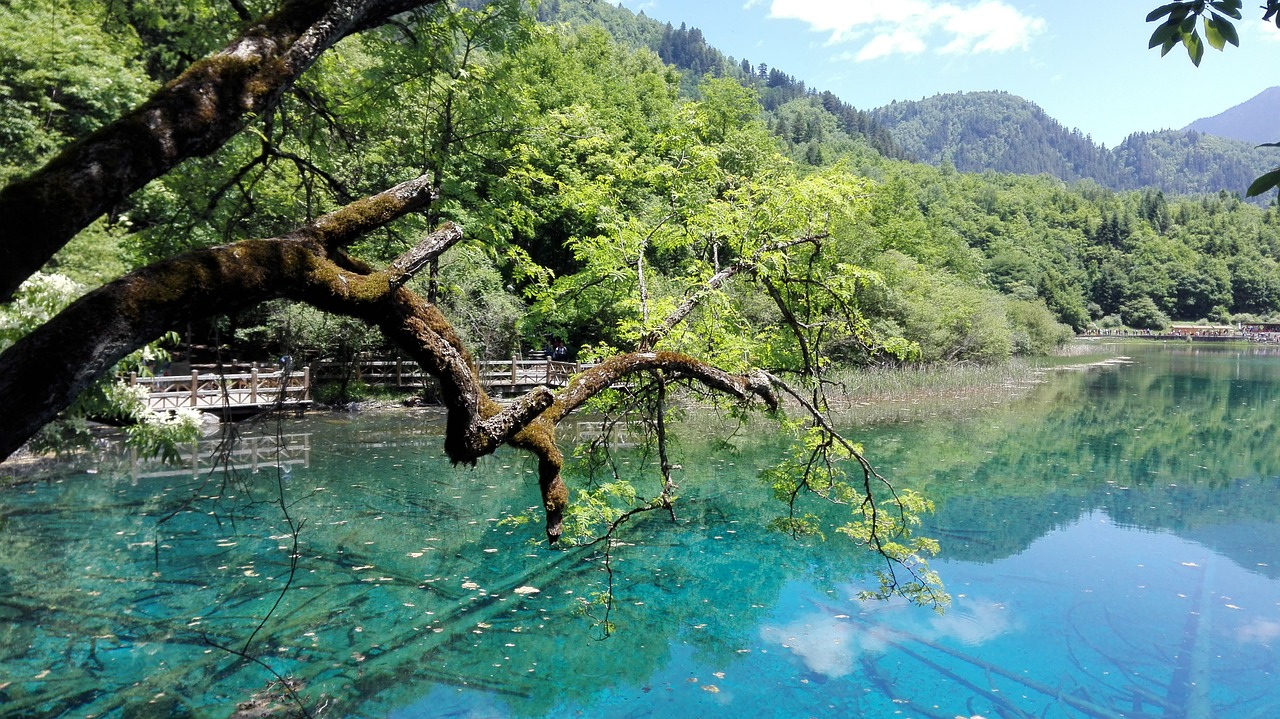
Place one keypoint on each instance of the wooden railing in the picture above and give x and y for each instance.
(246, 454)
(516, 373)
(252, 389)
(498, 376)
(399, 373)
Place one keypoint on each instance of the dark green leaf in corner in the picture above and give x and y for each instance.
(1231, 9)
(1164, 35)
(1162, 11)
(1264, 183)
(1228, 31)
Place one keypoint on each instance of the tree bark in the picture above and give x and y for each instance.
(43, 372)
(192, 116)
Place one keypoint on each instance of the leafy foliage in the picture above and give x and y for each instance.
(1178, 25)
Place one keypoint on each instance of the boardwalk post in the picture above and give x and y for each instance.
(515, 372)
(306, 383)
(253, 385)
(195, 388)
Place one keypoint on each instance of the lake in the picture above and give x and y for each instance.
(1111, 540)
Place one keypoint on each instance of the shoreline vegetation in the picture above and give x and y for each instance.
(865, 398)
(903, 394)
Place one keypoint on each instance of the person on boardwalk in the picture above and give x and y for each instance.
(559, 352)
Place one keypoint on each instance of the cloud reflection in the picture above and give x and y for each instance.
(830, 643)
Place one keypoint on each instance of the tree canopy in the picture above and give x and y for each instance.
(329, 152)
(1178, 25)
(460, 182)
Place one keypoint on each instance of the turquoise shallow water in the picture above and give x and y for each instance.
(1111, 541)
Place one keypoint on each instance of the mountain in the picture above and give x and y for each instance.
(1254, 121)
(973, 131)
(1190, 162)
(978, 131)
(686, 49)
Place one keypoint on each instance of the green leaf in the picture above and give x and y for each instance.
(1213, 34)
(1168, 45)
(1264, 183)
(1195, 47)
(1162, 11)
(1166, 33)
(1228, 31)
(1231, 9)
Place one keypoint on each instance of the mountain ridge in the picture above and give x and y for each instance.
(1000, 131)
(973, 131)
(1252, 121)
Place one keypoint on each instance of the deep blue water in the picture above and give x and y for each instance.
(1111, 542)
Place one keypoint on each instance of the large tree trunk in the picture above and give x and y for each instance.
(192, 116)
(43, 372)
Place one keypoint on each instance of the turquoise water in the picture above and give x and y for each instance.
(1111, 541)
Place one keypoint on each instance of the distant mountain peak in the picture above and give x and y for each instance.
(1256, 120)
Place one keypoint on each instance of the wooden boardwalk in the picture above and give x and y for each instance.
(212, 392)
(260, 389)
(499, 377)
(517, 376)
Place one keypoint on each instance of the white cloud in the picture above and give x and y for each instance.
(1269, 32)
(901, 41)
(911, 27)
(1259, 631)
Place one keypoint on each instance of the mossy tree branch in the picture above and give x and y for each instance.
(306, 264)
(310, 265)
(539, 436)
(190, 117)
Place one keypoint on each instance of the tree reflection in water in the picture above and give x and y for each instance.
(1111, 542)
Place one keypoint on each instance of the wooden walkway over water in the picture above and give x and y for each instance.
(218, 392)
(258, 389)
(500, 377)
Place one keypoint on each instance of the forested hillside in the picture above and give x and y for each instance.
(686, 49)
(1190, 162)
(979, 131)
(580, 163)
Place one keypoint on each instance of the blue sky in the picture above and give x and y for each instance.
(1086, 64)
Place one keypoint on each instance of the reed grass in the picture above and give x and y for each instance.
(895, 394)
